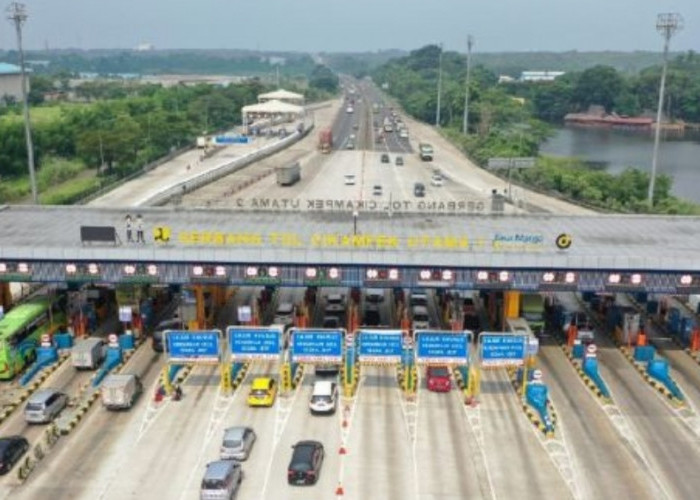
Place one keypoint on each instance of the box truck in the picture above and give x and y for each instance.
(120, 391)
(88, 353)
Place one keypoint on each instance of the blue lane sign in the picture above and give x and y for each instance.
(316, 346)
(433, 347)
(501, 349)
(193, 346)
(380, 346)
(250, 342)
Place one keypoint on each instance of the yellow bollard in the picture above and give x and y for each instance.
(166, 380)
(286, 377)
(226, 385)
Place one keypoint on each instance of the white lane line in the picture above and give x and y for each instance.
(283, 409)
(219, 412)
(473, 415)
(345, 432)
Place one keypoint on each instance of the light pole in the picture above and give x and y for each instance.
(439, 89)
(17, 14)
(666, 24)
(465, 120)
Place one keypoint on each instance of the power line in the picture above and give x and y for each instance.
(667, 24)
(17, 14)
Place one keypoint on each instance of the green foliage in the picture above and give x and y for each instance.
(57, 170)
(70, 192)
(323, 78)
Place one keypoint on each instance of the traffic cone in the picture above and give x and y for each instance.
(641, 338)
(342, 451)
(339, 491)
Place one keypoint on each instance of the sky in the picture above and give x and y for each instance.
(354, 25)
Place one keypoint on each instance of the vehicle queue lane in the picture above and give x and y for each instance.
(518, 464)
(671, 448)
(606, 464)
(82, 463)
(300, 425)
(449, 462)
(160, 464)
(379, 463)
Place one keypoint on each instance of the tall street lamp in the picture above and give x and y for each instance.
(18, 15)
(666, 24)
(439, 89)
(465, 119)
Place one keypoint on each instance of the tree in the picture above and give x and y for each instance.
(599, 85)
(322, 77)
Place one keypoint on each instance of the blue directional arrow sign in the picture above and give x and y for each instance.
(449, 347)
(502, 349)
(380, 346)
(193, 346)
(249, 343)
(317, 345)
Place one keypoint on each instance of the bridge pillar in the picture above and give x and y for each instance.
(200, 306)
(5, 296)
(511, 305)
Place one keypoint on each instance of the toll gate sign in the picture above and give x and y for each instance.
(380, 346)
(316, 345)
(193, 346)
(251, 343)
(502, 349)
(442, 347)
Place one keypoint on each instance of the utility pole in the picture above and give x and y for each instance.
(439, 90)
(17, 14)
(465, 120)
(666, 24)
(278, 76)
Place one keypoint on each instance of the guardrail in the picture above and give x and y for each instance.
(197, 182)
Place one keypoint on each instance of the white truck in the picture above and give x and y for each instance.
(120, 391)
(88, 353)
(289, 174)
(425, 151)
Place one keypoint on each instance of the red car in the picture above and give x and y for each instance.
(439, 379)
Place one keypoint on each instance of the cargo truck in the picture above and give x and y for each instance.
(120, 391)
(425, 151)
(88, 353)
(325, 140)
(532, 309)
(288, 175)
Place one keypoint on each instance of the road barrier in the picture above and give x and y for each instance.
(205, 178)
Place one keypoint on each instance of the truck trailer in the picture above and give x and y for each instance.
(325, 140)
(289, 174)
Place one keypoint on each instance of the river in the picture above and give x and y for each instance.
(618, 150)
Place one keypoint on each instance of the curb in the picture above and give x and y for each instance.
(532, 414)
(80, 413)
(655, 384)
(586, 379)
(240, 376)
(36, 382)
(298, 376)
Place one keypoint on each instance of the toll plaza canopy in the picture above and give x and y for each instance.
(272, 108)
(654, 253)
(281, 95)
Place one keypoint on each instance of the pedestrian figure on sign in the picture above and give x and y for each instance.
(139, 229)
(178, 393)
(128, 222)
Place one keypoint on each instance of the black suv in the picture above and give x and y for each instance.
(305, 466)
(385, 158)
(11, 451)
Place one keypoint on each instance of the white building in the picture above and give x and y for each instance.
(11, 81)
(540, 76)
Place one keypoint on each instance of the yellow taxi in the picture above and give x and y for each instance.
(263, 392)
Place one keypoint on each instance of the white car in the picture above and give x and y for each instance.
(350, 180)
(403, 133)
(324, 397)
(350, 109)
(436, 181)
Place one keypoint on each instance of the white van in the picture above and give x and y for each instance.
(324, 397)
(44, 405)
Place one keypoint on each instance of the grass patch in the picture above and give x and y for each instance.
(13, 190)
(40, 114)
(57, 170)
(72, 191)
